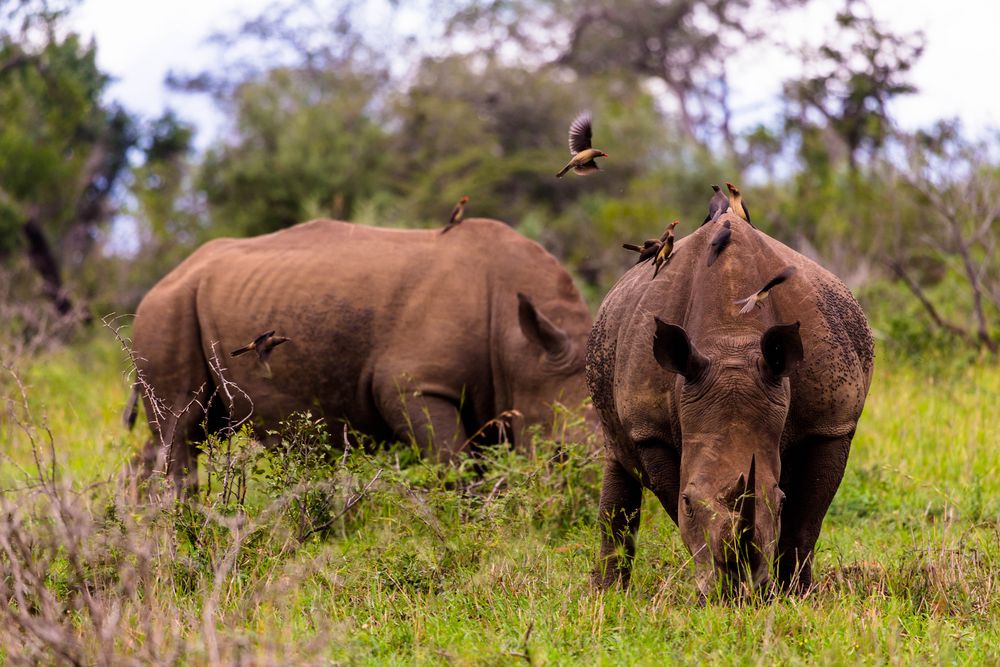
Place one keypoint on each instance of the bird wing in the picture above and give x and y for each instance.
(580, 132)
(648, 252)
(456, 214)
(261, 338)
(747, 303)
(785, 274)
(746, 212)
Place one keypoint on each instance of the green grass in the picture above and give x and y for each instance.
(430, 566)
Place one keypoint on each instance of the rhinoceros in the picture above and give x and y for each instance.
(739, 424)
(408, 334)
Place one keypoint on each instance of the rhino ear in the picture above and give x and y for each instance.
(539, 329)
(781, 346)
(675, 352)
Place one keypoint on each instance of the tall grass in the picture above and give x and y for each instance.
(380, 558)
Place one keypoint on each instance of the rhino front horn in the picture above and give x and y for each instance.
(747, 505)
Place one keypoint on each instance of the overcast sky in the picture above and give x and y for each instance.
(139, 41)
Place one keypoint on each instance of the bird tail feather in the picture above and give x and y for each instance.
(242, 350)
(747, 303)
(564, 170)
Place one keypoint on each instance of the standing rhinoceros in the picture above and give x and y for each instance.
(402, 333)
(739, 424)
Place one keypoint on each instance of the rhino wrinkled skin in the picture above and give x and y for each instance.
(402, 333)
(740, 425)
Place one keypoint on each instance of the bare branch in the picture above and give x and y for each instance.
(897, 268)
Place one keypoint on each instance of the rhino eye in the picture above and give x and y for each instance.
(688, 510)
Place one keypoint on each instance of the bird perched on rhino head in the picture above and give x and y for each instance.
(584, 154)
(720, 241)
(263, 345)
(736, 203)
(717, 205)
(456, 214)
(666, 250)
(647, 250)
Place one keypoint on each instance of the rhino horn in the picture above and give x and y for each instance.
(747, 506)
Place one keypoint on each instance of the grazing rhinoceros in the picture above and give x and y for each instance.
(402, 333)
(739, 424)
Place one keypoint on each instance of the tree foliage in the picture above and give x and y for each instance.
(63, 151)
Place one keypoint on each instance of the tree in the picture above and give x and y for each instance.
(681, 43)
(850, 82)
(63, 151)
(955, 184)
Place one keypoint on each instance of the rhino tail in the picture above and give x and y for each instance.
(131, 408)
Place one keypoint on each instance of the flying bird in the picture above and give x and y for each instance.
(456, 214)
(666, 250)
(736, 203)
(263, 345)
(761, 294)
(717, 205)
(584, 154)
(719, 242)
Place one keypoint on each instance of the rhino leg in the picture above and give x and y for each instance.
(810, 475)
(172, 451)
(432, 421)
(618, 521)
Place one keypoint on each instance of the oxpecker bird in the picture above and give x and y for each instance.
(717, 205)
(584, 154)
(666, 250)
(648, 249)
(719, 242)
(736, 203)
(456, 214)
(761, 294)
(263, 345)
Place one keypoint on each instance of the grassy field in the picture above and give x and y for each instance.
(382, 559)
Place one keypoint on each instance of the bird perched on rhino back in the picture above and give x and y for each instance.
(456, 215)
(666, 247)
(717, 205)
(720, 241)
(646, 251)
(736, 203)
(584, 160)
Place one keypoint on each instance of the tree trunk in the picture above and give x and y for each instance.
(45, 263)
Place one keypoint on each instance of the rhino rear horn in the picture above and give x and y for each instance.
(539, 329)
(675, 352)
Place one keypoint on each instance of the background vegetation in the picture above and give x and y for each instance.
(327, 116)
(306, 553)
